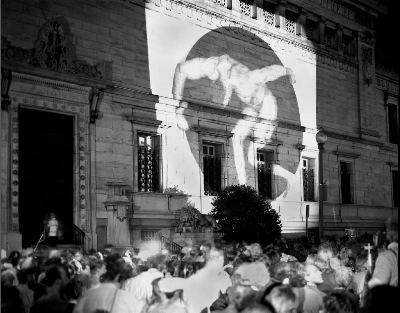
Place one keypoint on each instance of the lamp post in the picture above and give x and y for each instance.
(321, 138)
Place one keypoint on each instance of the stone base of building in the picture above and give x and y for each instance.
(11, 241)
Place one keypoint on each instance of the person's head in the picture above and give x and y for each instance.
(340, 301)
(55, 277)
(116, 269)
(343, 276)
(313, 274)
(283, 299)
(78, 256)
(14, 258)
(392, 231)
(8, 278)
(96, 266)
(325, 251)
(240, 296)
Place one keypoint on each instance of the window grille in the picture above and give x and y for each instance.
(308, 184)
(392, 121)
(290, 22)
(245, 7)
(148, 235)
(212, 169)
(264, 171)
(268, 14)
(221, 2)
(148, 163)
(345, 182)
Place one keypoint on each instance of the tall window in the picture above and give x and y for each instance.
(345, 182)
(331, 38)
(395, 188)
(308, 179)
(392, 122)
(264, 170)
(148, 162)
(212, 168)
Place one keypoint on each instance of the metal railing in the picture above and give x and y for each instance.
(169, 245)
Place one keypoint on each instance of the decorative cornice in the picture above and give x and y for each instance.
(48, 82)
(387, 84)
(211, 131)
(349, 138)
(241, 28)
(347, 154)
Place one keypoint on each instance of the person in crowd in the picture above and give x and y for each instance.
(386, 266)
(108, 296)
(10, 297)
(54, 301)
(283, 299)
(381, 298)
(310, 297)
(97, 269)
(52, 229)
(340, 301)
(140, 288)
(26, 294)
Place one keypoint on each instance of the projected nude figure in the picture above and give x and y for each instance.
(251, 88)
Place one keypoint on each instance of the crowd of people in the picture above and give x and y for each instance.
(337, 275)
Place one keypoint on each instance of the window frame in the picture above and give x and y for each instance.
(217, 146)
(265, 152)
(392, 101)
(351, 183)
(311, 165)
(147, 132)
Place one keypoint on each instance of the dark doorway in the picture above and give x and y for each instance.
(46, 150)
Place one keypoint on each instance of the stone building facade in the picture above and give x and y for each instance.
(117, 113)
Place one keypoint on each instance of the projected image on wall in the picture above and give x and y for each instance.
(250, 80)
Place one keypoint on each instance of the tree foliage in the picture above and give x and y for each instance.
(245, 216)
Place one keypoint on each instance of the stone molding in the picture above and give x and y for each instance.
(218, 19)
(80, 110)
(387, 84)
(346, 154)
(51, 83)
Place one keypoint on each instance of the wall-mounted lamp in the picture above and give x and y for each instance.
(321, 138)
(122, 208)
(95, 99)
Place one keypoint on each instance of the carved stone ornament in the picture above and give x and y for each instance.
(189, 218)
(53, 50)
(6, 77)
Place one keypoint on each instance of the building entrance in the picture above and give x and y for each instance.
(46, 154)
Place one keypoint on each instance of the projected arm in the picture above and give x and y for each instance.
(273, 72)
(284, 173)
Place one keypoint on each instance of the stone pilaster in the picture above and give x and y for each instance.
(366, 85)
